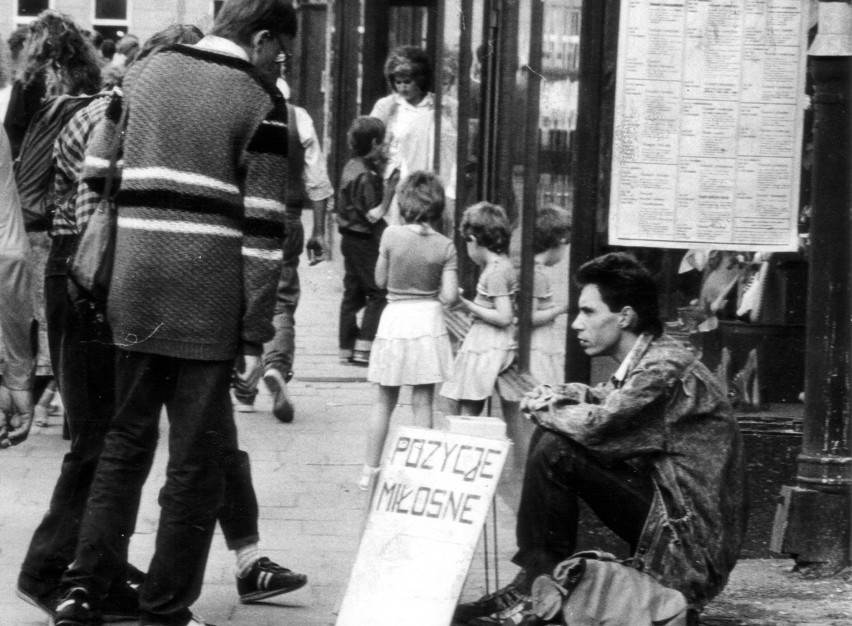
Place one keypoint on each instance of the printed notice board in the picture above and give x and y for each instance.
(710, 98)
(425, 517)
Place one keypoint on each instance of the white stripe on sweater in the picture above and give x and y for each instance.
(99, 163)
(184, 178)
(265, 204)
(265, 255)
(168, 226)
(273, 123)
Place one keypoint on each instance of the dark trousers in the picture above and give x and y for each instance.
(83, 365)
(278, 352)
(195, 394)
(83, 360)
(558, 472)
(360, 253)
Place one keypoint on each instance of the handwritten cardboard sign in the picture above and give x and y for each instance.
(424, 522)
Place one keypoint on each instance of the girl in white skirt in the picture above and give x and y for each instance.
(417, 265)
(489, 346)
(547, 346)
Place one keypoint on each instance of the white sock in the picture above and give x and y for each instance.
(246, 557)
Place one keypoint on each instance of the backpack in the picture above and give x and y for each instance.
(593, 588)
(34, 169)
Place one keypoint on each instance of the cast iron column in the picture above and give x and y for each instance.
(813, 522)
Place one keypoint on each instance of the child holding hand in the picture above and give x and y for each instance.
(417, 265)
(489, 346)
(552, 231)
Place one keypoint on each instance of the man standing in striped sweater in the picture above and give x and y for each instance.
(201, 213)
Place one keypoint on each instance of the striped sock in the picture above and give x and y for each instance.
(246, 557)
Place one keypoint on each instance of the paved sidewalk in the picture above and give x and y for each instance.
(311, 511)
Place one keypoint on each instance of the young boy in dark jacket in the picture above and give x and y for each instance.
(359, 220)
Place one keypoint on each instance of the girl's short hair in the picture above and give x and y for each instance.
(362, 132)
(410, 61)
(488, 224)
(552, 228)
(421, 198)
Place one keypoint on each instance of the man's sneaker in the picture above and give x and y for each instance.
(44, 599)
(121, 603)
(74, 609)
(242, 406)
(505, 600)
(282, 407)
(266, 579)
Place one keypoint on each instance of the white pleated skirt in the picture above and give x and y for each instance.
(411, 346)
(486, 351)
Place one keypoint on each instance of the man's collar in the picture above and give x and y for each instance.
(632, 358)
(222, 46)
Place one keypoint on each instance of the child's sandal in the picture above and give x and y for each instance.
(368, 475)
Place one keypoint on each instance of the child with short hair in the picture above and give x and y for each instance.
(418, 266)
(552, 232)
(359, 212)
(489, 347)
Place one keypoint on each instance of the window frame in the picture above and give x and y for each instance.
(27, 19)
(117, 23)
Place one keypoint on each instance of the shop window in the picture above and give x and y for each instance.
(110, 18)
(28, 10)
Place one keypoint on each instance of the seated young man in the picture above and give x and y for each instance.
(655, 452)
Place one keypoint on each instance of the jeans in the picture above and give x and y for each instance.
(558, 472)
(360, 253)
(278, 352)
(83, 364)
(195, 394)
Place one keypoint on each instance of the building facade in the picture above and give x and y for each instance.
(113, 18)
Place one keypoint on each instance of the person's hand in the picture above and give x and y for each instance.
(247, 372)
(375, 214)
(316, 250)
(16, 415)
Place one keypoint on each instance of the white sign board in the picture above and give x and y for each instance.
(425, 517)
(708, 124)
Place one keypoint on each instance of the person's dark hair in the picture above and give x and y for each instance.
(176, 33)
(488, 224)
(113, 75)
(238, 20)
(409, 61)
(421, 198)
(17, 40)
(362, 132)
(623, 281)
(108, 49)
(552, 228)
(57, 52)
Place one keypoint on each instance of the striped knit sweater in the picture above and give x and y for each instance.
(200, 208)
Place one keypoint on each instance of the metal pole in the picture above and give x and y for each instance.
(531, 180)
(812, 524)
(587, 173)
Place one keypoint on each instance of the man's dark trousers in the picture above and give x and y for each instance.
(558, 472)
(360, 254)
(278, 353)
(195, 394)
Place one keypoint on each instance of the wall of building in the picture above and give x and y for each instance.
(145, 17)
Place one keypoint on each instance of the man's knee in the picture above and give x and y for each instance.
(550, 447)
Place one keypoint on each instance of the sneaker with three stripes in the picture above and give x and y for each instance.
(265, 579)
